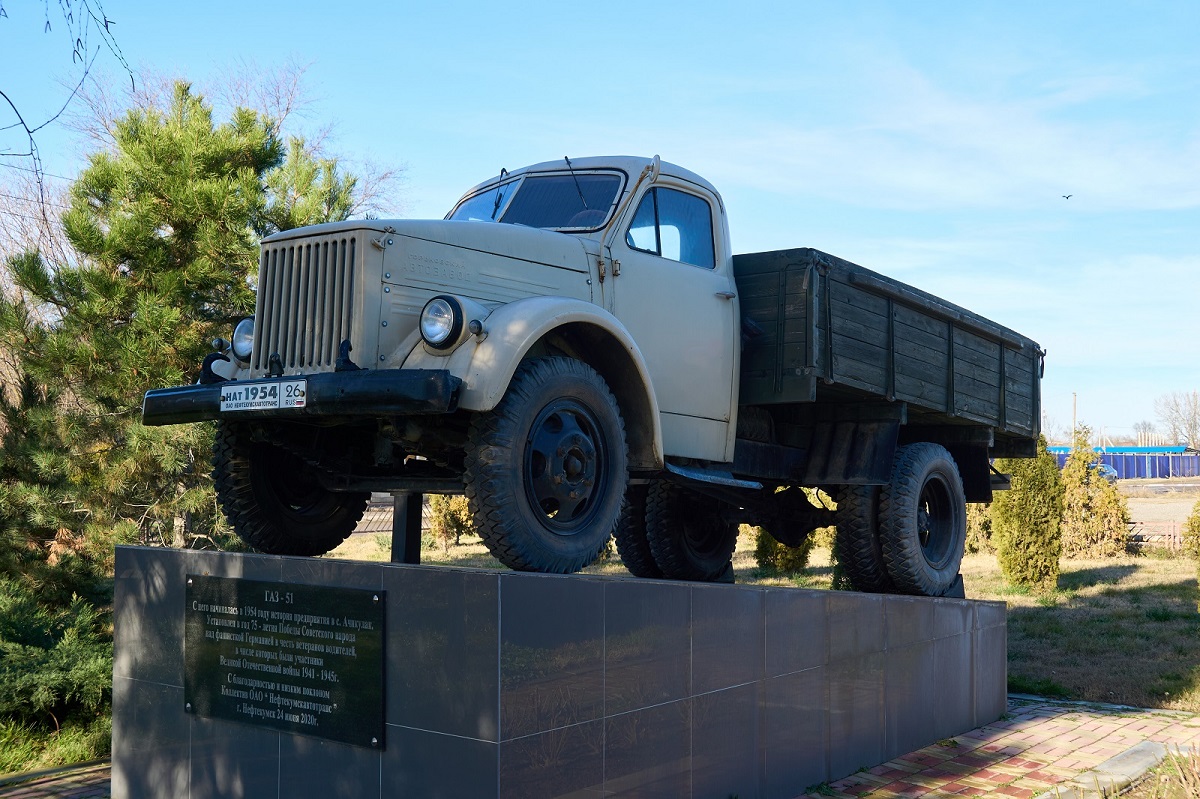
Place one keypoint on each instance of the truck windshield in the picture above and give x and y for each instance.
(554, 202)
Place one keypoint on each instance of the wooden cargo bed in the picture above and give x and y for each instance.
(821, 329)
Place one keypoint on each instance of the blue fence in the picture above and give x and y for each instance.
(1144, 464)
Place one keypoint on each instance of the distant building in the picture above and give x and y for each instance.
(1153, 462)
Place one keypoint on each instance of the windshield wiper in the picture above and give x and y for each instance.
(577, 186)
(499, 197)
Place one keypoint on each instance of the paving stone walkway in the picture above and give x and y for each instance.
(1040, 748)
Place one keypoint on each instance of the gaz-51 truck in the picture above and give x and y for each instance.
(577, 349)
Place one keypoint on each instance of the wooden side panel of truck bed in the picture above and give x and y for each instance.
(818, 328)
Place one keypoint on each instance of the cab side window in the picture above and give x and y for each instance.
(674, 225)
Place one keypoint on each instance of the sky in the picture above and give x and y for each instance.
(933, 142)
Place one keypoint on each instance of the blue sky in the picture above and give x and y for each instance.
(930, 141)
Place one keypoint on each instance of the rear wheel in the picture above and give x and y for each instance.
(689, 536)
(632, 544)
(923, 520)
(857, 542)
(274, 500)
(546, 469)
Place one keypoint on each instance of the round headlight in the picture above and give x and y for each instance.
(243, 340)
(441, 322)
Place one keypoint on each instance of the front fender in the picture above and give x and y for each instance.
(512, 330)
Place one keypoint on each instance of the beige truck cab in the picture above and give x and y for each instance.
(566, 348)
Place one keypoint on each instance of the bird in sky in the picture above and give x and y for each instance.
(1068, 196)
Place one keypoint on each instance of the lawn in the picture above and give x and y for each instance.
(1125, 631)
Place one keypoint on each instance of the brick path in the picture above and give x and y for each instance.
(1037, 745)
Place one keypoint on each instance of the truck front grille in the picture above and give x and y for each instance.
(305, 299)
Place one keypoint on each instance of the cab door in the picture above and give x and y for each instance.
(675, 293)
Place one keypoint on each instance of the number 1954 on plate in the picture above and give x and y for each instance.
(263, 395)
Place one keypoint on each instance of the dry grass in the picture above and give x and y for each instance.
(1178, 777)
(1125, 631)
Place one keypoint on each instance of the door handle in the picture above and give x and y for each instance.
(726, 295)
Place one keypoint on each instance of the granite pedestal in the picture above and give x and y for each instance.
(505, 684)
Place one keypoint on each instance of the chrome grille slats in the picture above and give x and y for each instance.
(305, 302)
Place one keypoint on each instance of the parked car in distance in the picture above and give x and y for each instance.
(1107, 472)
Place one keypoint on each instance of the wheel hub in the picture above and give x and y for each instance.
(564, 454)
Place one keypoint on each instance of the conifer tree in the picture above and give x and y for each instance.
(1095, 517)
(166, 227)
(1026, 519)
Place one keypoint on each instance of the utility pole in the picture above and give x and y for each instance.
(1074, 408)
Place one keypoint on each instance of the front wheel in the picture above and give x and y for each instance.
(273, 499)
(689, 536)
(546, 469)
(923, 520)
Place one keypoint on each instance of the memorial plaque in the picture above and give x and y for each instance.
(305, 659)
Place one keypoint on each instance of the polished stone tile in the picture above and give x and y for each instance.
(991, 674)
(855, 624)
(564, 762)
(647, 656)
(149, 739)
(990, 614)
(953, 617)
(332, 573)
(314, 767)
(954, 712)
(910, 699)
(726, 742)
(232, 760)
(430, 765)
(727, 637)
(795, 738)
(856, 727)
(648, 752)
(230, 564)
(796, 629)
(551, 652)
(908, 620)
(443, 650)
(148, 597)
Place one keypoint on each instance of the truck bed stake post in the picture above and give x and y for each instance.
(406, 526)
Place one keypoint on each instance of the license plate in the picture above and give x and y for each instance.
(263, 396)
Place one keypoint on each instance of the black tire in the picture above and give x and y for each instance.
(857, 544)
(273, 499)
(546, 469)
(923, 520)
(632, 544)
(689, 536)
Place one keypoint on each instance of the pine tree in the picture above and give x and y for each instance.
(1095, 517)
(1026, 519)
(165, 227)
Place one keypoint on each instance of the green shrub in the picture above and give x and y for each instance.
(55, 674)
(1026, 519)
(979, 528)
(450, 519)
(1095, 517)
(776, 558)
(1191, 533)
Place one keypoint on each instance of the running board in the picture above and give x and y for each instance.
(715, 478)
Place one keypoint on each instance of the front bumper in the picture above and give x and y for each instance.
(369, 393)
